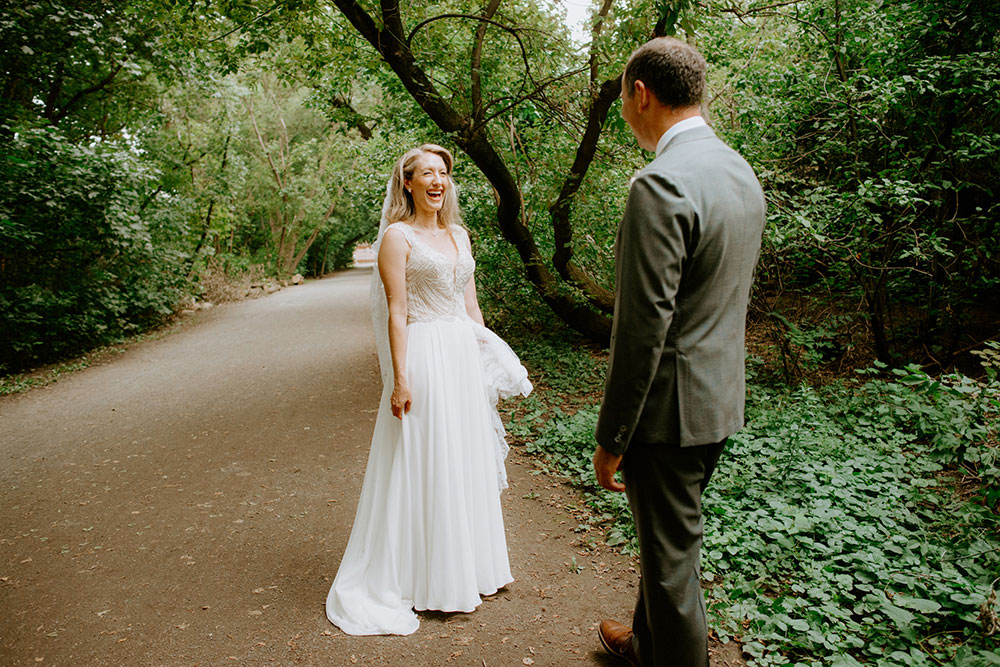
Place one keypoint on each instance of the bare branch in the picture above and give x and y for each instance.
(477, 57)
(517, 100)
(263, 148)
(103, 83)
(392, 19)
(484, 20)
(250, 22)
(750, 11)
(595, 33)
(562, 228)
(357, 120)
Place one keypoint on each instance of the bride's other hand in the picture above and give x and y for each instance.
(400, 401)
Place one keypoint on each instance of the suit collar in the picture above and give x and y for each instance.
(677, 128)
(694, 134)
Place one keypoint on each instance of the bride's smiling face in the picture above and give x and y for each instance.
(428, 183)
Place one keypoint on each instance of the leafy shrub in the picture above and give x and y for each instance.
(82, 261)
(833, 533)
(843, 539)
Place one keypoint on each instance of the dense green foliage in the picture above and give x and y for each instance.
(833, 530)
(86, 258)
(876, 130)
(139, 157)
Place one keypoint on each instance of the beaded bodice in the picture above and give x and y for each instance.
(435, 284)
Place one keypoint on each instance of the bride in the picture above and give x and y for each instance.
(428, 533)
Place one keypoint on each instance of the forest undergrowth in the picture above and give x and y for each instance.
(853, 522)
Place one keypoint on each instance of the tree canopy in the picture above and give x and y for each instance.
(258, 134)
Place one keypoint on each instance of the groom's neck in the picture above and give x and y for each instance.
(660, 119)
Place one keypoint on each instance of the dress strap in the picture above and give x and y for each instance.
(460, 235)
(405, 229)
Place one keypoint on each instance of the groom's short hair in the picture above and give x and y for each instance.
(674, 71)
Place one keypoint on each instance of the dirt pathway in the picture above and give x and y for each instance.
(188, 502)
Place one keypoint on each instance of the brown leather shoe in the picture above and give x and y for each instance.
(617, 640)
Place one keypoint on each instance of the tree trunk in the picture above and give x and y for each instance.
(875, 300)
(201, 239)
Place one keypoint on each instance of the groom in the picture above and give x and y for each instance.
(685, 257)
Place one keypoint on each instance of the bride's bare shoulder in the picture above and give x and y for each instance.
(398, 230)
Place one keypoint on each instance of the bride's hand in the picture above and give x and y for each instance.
(400, 401)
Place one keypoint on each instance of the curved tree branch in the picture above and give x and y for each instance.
(246, 23)
(562, 228)
(517, 100)
(484, 20)
(56, 117)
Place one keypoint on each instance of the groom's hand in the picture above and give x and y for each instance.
(606, 465)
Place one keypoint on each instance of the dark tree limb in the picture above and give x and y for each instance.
(595, 33)
(562, 228)
(357, 121)
(536, 92)
(55, 117)
(245, 24)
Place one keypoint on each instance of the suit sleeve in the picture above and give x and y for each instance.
(653, 243)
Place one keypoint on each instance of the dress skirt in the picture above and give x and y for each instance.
(428, 533)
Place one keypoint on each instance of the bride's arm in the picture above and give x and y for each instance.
(392, 257)
(471, 300)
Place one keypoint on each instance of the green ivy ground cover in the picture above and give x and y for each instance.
(833, 531)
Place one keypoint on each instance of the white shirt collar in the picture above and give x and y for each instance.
(677, 128)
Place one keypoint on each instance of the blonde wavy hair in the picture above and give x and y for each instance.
(401, 207)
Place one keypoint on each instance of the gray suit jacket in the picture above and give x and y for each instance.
(685, 256)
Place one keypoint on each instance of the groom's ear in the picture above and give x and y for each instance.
(643, 93)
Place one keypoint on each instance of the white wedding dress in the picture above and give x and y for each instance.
(429, 533)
